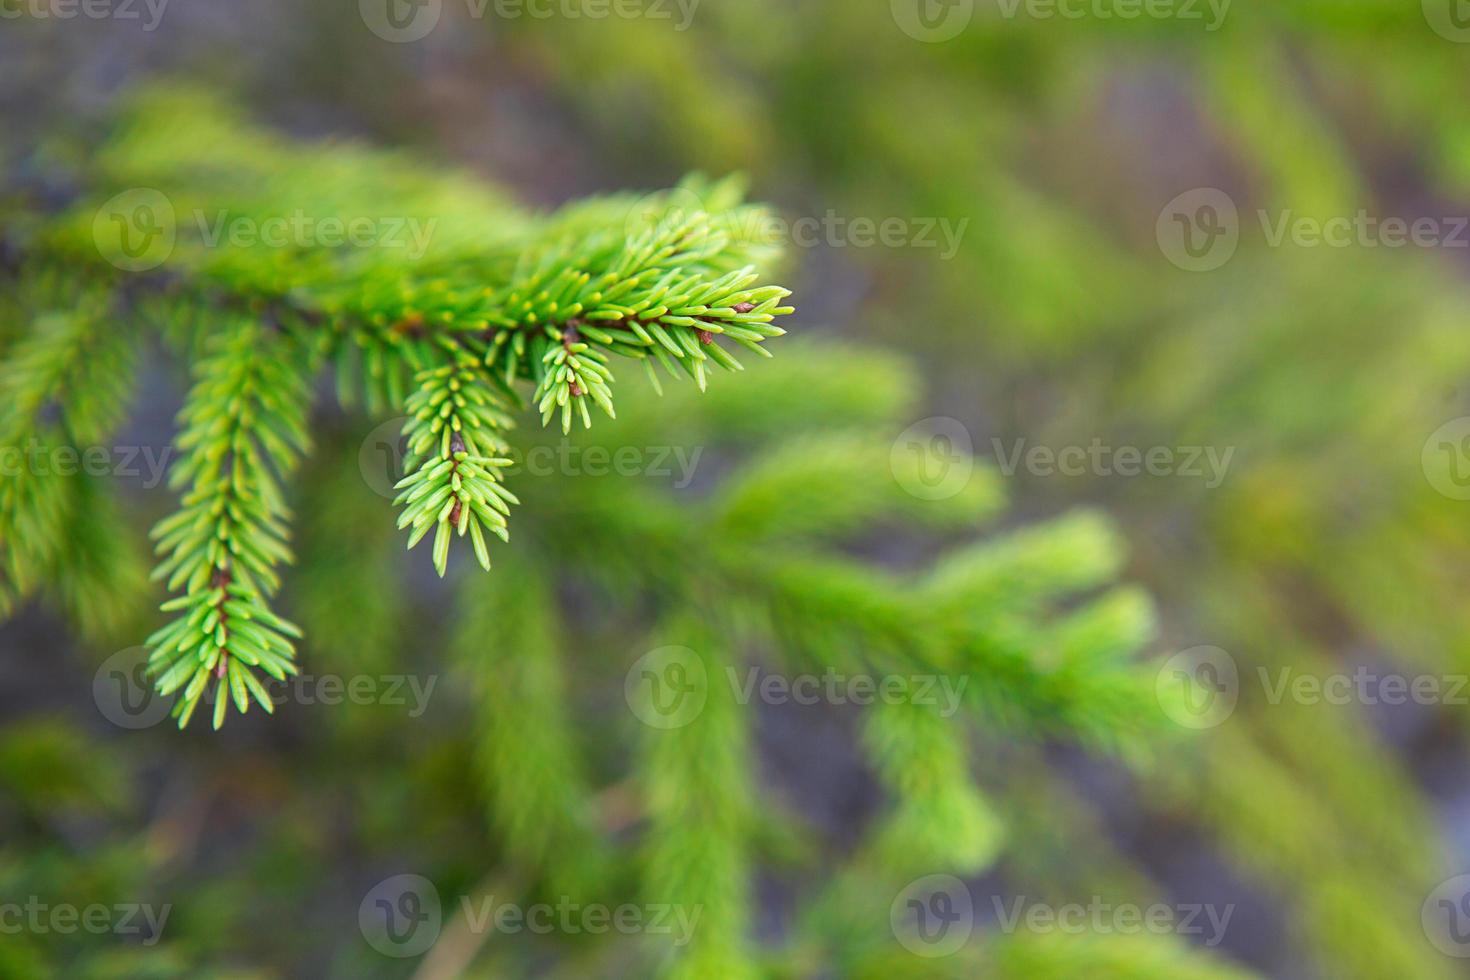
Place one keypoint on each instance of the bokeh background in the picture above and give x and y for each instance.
(1233, 233)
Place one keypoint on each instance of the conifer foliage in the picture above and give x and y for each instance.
(244, 427)
(454, 308)
(498, 314)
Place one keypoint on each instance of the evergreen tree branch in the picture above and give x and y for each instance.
(63, 387)
(244, 427)
(455, 455)
(939, 817)
(528, 763)
(696, 779)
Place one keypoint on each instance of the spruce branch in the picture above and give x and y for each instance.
(492, 305)
(243, 429)
(940, 817)
(696, 779)
(99, 577)
(63, 385)
(536, 790)
(455, 455)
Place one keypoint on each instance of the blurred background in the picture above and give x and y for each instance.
(1196, 267)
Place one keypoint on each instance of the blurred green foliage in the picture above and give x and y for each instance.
(1060, 320)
